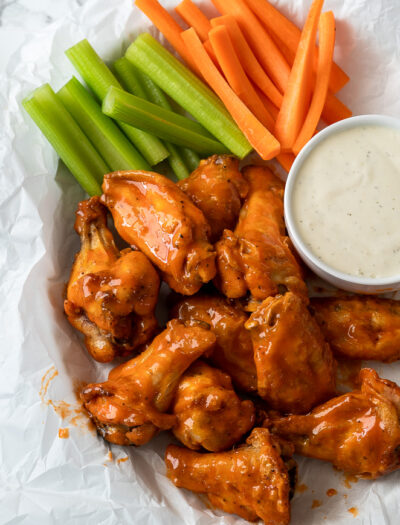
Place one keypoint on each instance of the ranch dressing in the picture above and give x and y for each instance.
(346, 201)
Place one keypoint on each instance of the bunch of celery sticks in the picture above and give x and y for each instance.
(127, 120)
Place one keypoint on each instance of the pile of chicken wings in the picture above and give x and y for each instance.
(244, 373)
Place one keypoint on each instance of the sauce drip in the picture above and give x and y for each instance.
(346, 201)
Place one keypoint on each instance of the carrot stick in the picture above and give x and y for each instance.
(209, 48)
(289, 34)
(325, 57)
(261, 43)
(248, 60)
(168, 27)
(194, 17)
(259, 137)
(272, 109)
(235, 75)
(297, 96)
(286, 160)
(334, 110)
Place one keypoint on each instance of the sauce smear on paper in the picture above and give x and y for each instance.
(63, 433)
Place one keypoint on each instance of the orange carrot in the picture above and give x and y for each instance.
(272, 109)
(286, 160)
(297, 96)
(235, 75)
(261, 43)
(259, 137)
(209, 48)
(289, 34)
(325, 57)
(334, 110)
(248, 60)
(194, 17)
(168, 27)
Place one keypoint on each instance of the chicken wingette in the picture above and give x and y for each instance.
(360, 327)
(257, 256)
(209, 412)
(217, 187)
(129, 408)
(151, 213)
(251, 480)
(111, 295)
(358, 432)
(234, 349)
(295, 366)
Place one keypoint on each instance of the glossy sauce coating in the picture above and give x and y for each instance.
(251, 481)
(358, 432)
(217, 188)
(153, 214)
(360, 327)
(257, 257)
(295, 366)
(111, 295)
(346, 201)
(208, 411)
(233, 352)
(129, 407)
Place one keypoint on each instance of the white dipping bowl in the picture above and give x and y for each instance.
(339, 279)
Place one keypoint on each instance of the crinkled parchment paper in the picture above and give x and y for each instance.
(45, 479)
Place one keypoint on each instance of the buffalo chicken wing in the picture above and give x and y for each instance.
(251, 481)
(217, 187)
(153, 214)
(234, 350)
(360, 327)
(130, 407)
(295, 366)
(256, 257)
(358, 432)
(111, 295)
(209, 413)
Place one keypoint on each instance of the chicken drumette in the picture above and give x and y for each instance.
(295, 366)
(217, 187)
(251, 481)
(153, 214)
(256, 257)
(209, 413)
(360, 327)
(129, 408)
(358, 432)
(111, 295)
(234, 350)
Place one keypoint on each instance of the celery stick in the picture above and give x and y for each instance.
(184, 87)
(129, 78)
(132, 82)
(156, 95)
(99, 78)
(161, 122)
(67, 138)
(106, 136)
(192, 160)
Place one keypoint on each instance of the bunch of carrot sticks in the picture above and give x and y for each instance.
(273, 79)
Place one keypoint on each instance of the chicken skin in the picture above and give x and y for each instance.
(358, 432)
(360, 327)
(251, 481)
(234, 349)
(209, 413)
(129, 408)
(256, 257)
(153, 214)
(217, 187)
(295, 366)
(111, 295)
